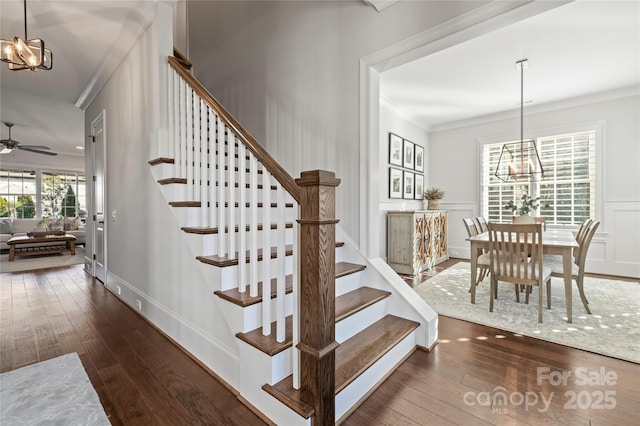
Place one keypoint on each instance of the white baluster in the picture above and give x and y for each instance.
(213, 156)
(242, 223)
(280, 302)
(204, 160)
(253, 226)
(231, 179)
(171, 105)
(222, 247)
(196, 146)
(180, 156)
(296, 301)
(189, 157)
(266, 260)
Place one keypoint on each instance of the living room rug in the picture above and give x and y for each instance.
(22, 264)
(613, 329)
(53, 392)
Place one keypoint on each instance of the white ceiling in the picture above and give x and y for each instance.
(581, 48)
(81, 34)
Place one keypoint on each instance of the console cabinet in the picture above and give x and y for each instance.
(416, 240)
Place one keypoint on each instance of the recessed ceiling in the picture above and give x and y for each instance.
(581, 48)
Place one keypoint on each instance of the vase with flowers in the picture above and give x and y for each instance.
(524, 207)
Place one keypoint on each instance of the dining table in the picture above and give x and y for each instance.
(558, 242)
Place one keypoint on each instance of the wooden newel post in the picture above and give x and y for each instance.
(317, 293)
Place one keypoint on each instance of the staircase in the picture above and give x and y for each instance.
(292, 295)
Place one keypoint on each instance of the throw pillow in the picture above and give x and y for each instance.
(71, 223)
(57, 224)
(6, 226)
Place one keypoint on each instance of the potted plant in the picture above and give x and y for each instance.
(433, 196)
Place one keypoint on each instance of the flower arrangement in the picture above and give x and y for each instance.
(527, 204)
(433, 193)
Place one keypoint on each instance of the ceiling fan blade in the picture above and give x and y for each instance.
(35, 146)
(37, 151)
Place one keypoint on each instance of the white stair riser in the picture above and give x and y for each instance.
(350, 395)
(207, 244)
(357, 322)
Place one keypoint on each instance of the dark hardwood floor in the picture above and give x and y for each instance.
(142, 378)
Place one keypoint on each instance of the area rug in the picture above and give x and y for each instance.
(52, 392)
(613, 329)
(30, 263)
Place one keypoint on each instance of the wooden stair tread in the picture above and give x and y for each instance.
(203, 230)
(244, 299)
(346, 305)
(353, 357)
(168, 181)
(161, 160)
(346, 268)
(222, 262)
(357, 300)
(357, 354)
(226, 204)
(269, 344)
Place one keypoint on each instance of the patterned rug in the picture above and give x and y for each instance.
(613, 329)
(52, 392)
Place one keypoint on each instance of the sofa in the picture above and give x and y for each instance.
(10, 228)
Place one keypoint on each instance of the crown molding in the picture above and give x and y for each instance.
(137, 22)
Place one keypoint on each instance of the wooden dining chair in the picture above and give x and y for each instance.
(542, 220)
(554, 262)
(482, 259)
(515, 253)
(481, 224)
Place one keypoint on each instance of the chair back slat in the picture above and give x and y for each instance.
(481, 224)
(516, 252)
(470, 225)
(584, 241)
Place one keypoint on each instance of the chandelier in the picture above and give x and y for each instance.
(520, 160)
(25, 54)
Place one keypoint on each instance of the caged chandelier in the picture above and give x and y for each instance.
(25, 54)
(520, 160)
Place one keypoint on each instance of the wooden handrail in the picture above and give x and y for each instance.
(252, 145)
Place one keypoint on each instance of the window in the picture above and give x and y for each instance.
(18, 196)
(34, 193)
(568, 189)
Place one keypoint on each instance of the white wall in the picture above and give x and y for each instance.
(147, 255)
(289, 72)
(616, 248)
(395, 121)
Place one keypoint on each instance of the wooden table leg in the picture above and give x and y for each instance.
(71, 245)
(12, 252)
(566, 267)
(474, 270)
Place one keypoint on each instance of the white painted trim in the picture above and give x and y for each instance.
(381, 5)
(482, 20)
(137, 22)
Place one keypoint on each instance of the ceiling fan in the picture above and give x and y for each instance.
(11, 144)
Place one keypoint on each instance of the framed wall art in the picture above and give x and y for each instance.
(419, 186)
(407, 158)
(407, 187)
(395, 149)
(419, 158)
(395, 183)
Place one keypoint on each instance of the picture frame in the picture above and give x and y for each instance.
(408, 181)
(419, 158)
(419, 187)
(395, 149)
(395, 182)
(408, 148)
